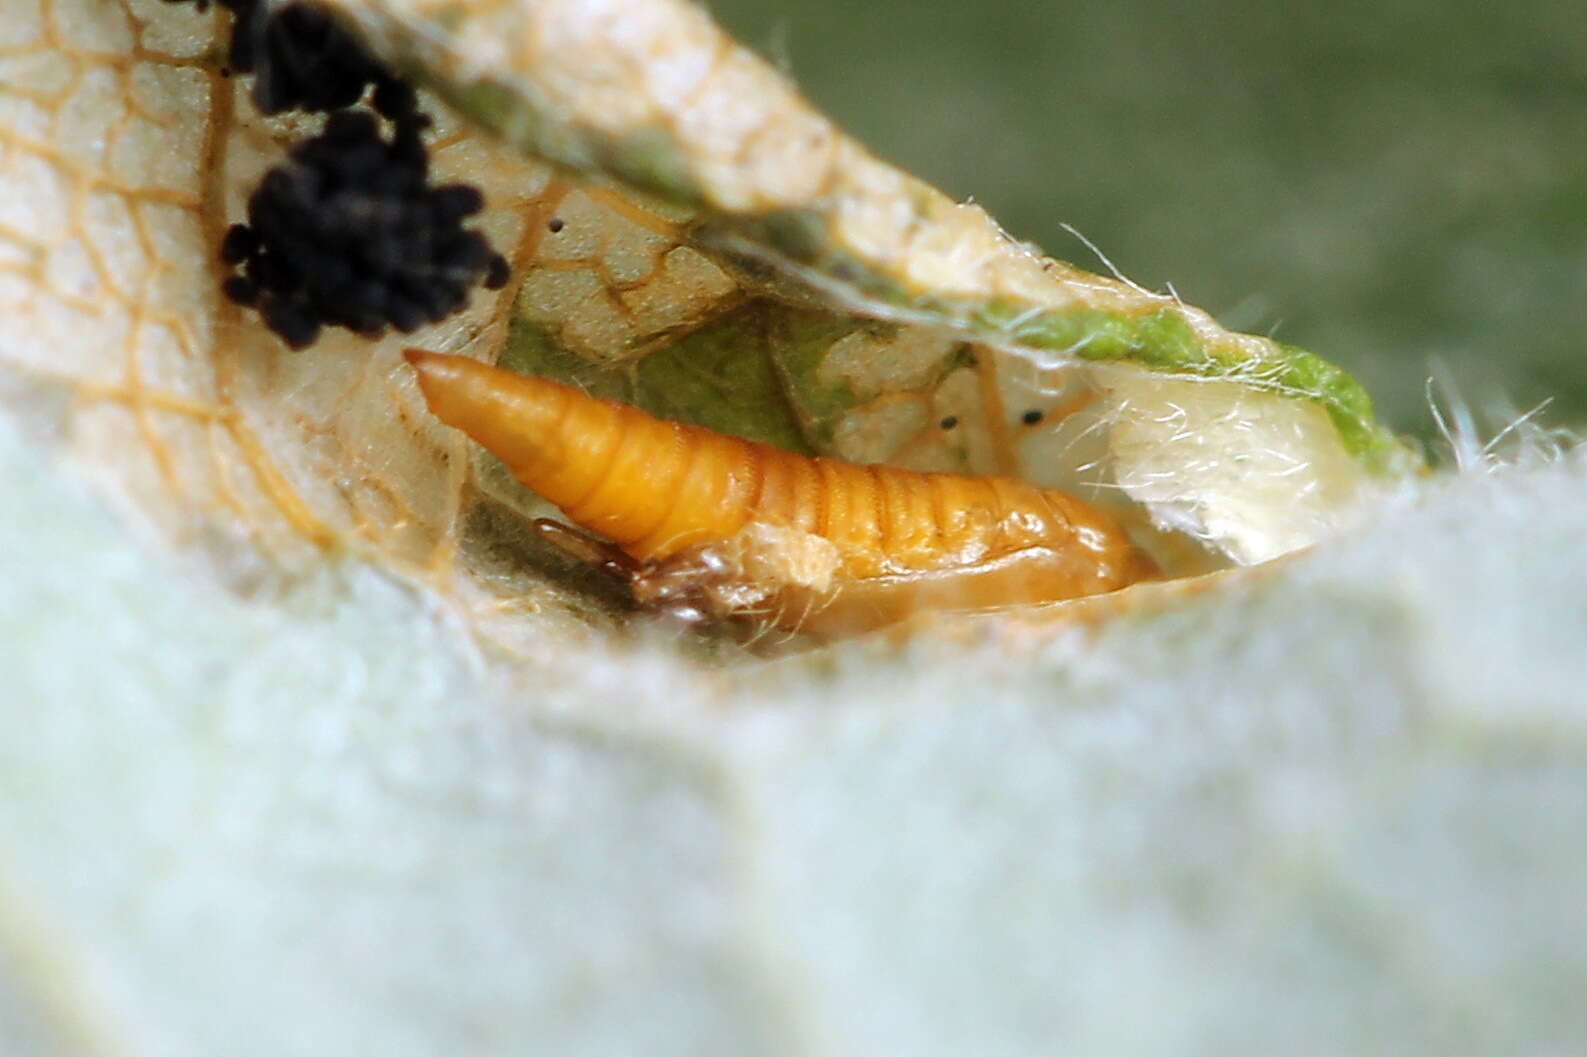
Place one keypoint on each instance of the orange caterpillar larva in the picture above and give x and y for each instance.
(713, 526)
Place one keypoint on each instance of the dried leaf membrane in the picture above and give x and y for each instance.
(127, 152)
(706, 246)
(653, 95)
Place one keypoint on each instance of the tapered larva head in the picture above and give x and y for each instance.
(440, 376)
(510, 414)
(454, 388)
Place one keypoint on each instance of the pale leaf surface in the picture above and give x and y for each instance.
(1336, 811)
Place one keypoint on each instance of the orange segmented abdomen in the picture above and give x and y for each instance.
(712, 499)
(909, 524)
(790, 491)
(849, 513)
(658, 488)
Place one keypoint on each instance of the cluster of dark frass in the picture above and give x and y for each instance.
(350, 232)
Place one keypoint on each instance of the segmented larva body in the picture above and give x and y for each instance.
(813, 544)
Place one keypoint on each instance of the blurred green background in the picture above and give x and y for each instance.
(1398, 186)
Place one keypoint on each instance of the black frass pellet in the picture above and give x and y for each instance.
(497, 273)
(238, 244)
(301, 58)
(348, 232)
